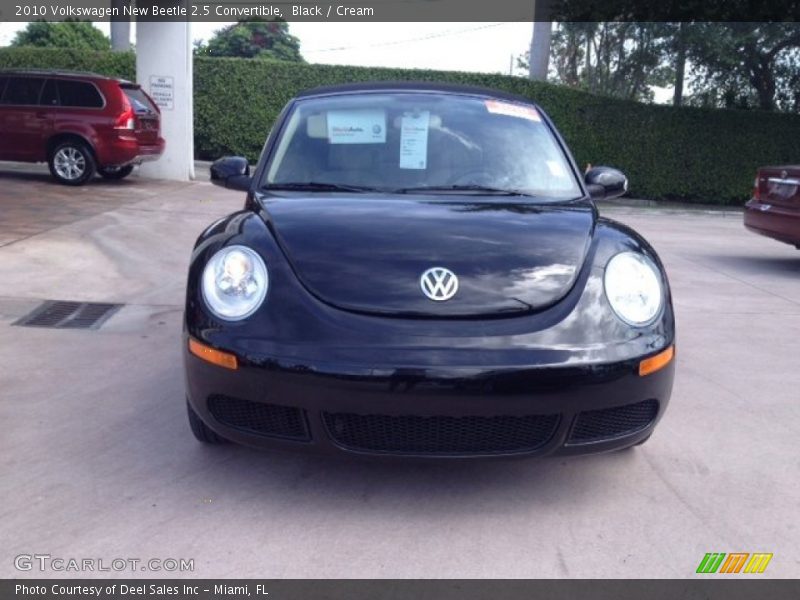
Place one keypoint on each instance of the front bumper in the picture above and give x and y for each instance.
(437, 411)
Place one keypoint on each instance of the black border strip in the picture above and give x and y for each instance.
(405, 10)
(710, 587)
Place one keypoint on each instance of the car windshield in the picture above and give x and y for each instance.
(420, 143)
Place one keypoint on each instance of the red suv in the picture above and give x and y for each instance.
(80, 123)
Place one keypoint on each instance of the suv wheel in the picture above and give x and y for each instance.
(115, 172)
(72, 163)
(201, 431)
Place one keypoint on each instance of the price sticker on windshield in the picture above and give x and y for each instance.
(414, 140)
(513, 110)
(360, 126)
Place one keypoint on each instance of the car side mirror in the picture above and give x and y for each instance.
(604, 183)
(232, 172)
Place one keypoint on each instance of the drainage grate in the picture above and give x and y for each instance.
(69, 315)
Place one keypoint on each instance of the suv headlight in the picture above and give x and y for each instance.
(235, 283)
(633, 288)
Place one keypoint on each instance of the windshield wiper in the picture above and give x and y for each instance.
(462, 188)
(318, 186)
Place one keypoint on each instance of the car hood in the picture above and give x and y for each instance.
(367, 254)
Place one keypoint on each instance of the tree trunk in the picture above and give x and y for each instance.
(588, 68)
(765, 86)
(571, 77)
(680, 65)
(763, 80)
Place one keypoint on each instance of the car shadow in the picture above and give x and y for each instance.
(444, 485)
(40, 174)
(170, 470)
(165, 450)
(787, 265)
(330, 482)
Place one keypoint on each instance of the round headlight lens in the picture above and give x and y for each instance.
(633, 288)
(235, 283)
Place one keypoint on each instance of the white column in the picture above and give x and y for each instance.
(120, 30)
(120, 36)
(540, 50)
(164, 70)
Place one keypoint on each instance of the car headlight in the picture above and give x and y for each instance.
(633, 288)
(235, 283)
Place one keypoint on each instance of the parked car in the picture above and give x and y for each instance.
(79, 123)
(774, 209)
(421, 270)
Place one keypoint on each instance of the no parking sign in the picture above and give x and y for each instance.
(162, 90)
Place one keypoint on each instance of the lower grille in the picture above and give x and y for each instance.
(439, 434)
(608, 423)
(269, 420)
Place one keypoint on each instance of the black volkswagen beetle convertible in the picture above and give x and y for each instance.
(420, 270)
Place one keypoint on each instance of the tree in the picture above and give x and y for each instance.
(620, 59)
(81, 35)
(254, 38)
(746, 65)
(733, 65)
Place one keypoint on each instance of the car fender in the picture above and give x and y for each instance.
(73, 129)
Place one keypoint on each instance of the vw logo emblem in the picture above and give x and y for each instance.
(439, 284)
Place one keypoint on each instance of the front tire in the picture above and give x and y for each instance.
(72, 163)
(115, 172)
(201, 431)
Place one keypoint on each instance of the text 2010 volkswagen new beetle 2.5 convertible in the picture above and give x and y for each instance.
(420, 270)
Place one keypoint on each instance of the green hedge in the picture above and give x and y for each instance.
(117, 64)
(668, 153)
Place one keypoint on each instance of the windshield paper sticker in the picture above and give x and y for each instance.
(414, 140)
(365, 126)
(513, 110)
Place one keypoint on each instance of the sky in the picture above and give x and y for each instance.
(479, 47)
(483, 47)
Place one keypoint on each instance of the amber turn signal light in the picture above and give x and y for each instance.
(215, 357)
(654, 363)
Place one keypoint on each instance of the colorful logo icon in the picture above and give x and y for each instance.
(735, 562)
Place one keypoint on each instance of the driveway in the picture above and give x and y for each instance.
(98, 462)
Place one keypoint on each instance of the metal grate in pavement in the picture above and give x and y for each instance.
(58, 314)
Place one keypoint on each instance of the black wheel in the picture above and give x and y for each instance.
(200, 430)
(72, 163)
(115, 172)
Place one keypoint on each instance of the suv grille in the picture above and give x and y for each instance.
(440, 434)
(608, 423)
(262, 419)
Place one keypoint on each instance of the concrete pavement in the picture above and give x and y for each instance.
(97, 460)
